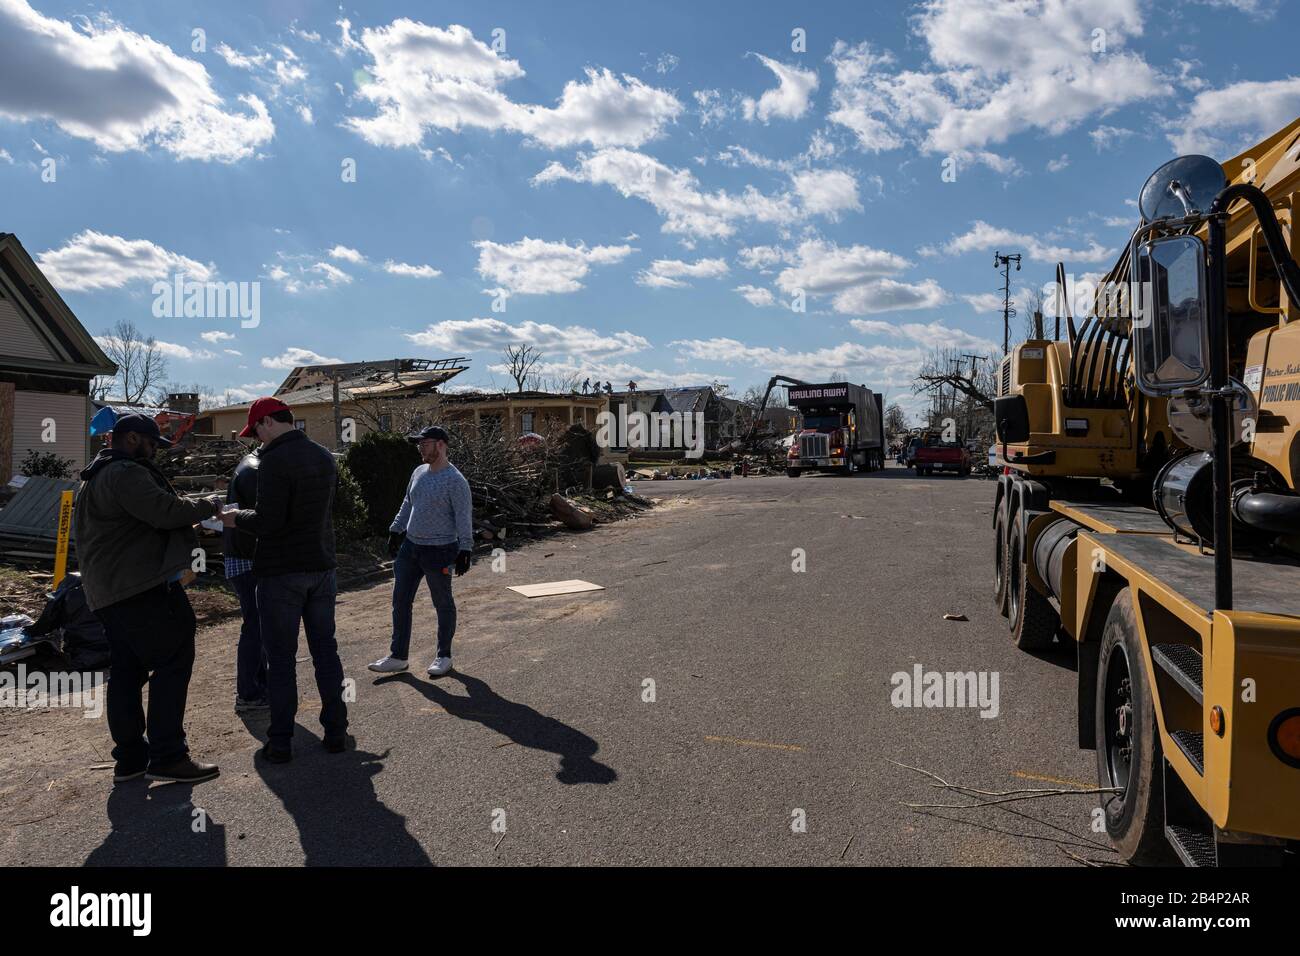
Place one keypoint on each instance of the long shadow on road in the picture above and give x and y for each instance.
(158, 826)
(521, 723)
(341, 820)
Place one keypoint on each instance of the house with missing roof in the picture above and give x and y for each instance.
(401, 395)
(724, 418)
(47, 363)
(332, 402)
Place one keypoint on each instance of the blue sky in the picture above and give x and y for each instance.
(645, 188)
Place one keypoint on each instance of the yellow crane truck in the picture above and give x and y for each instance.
(1147, 514)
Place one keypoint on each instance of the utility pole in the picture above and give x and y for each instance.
(1004, 263)
(970, 402)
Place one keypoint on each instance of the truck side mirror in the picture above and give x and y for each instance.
(1170, 323)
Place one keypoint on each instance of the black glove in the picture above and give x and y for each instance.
(463, 561)
(395, 539)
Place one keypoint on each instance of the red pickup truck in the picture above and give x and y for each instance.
(934, 455)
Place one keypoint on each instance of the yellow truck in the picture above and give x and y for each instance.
(1147, 515)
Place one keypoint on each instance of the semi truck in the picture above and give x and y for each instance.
(1147, 517)
(841, 429)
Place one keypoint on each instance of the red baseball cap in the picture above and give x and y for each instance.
(259, 410)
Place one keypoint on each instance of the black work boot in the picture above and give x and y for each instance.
(184, 770)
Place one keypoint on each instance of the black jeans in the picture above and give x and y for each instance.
(282, 601)
(151, 632)
(250, 657)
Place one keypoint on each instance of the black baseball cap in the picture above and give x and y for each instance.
(433, 431)
(140, 423)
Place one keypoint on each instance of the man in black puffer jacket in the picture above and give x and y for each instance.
(238, 550)
(294, 565)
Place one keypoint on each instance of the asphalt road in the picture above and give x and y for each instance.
(771, 737)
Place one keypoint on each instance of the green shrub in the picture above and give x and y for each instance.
(381, 463)
(45, 465)
(350, 514)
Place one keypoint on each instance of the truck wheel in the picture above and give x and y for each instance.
(793, 472)
(1000, 560)
(1033, 619)
(1128, 741)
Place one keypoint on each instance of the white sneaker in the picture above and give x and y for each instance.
(388, 665)
(440, 666)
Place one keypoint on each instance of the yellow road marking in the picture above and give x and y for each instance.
(753, 743)
(1023, 775)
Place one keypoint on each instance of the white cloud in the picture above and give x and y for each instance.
(241, 61)
(983, 301)
(216, 336)
(713, 109)
(859, 277)
(994, 69)
(412, 271)
(827, 192)
(346, 254)
(790, 99)
(889, 295)
(486, 334)
(538, 267)
(1108, 137)
(332, 273)
(183, 352)
(119, 89)
(982, 237)
(1225, 121)
(1056, 165)
(689, 210)
(93, 260)
(930, 335)
(669, 273)
(293, 357)
(875, 361)
(756, 295)
(826, 267)
(760, 257)
(425, 77)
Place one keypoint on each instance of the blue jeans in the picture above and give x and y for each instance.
(282, 601)
(435, 563)
(250, 659)
(151, 639)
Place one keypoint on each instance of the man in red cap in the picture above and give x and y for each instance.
(294, 564)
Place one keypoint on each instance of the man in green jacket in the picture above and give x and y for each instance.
(135, 546)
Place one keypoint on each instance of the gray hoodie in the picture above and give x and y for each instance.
(133, 531)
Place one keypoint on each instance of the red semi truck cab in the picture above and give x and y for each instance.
(840, 429)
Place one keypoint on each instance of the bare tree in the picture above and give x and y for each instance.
(895, 420)
(961, 387)
(561, 383)
(520, 362)
(1034, 299)
(141, 365)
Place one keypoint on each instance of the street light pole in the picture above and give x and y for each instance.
(1004, 263)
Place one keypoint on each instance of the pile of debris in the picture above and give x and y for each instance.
(205, 465)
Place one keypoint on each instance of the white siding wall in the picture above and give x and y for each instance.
(17, 338)
(70, 417)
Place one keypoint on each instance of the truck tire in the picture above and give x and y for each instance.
(1032, 618)
(1128, 741)
(793, 472)
(1000, 560)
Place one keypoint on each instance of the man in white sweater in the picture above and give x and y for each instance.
(432, 535)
